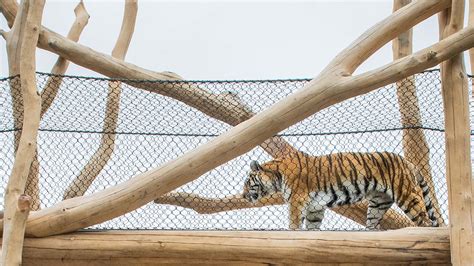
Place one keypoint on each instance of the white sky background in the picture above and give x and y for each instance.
(228, 39)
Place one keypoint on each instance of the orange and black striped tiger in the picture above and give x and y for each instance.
(311, 184)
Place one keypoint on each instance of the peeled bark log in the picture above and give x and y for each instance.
(415, 146)
(24, 34)
(458, 147)
(203, 205)
(104, 152)
(48, 95)
(324, 91)
(426, 246)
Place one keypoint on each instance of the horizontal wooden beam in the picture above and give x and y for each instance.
(411, 245)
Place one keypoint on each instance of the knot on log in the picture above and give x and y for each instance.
(431, 55)
(24, 202)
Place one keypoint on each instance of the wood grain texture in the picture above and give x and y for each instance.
(405, 246)
(458, 145)
(48, 94)
(24, 35)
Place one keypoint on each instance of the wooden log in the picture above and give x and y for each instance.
(216, 105)
(204, 205)
(104, 152)
(48, 94)
(415, 146)
(427, 246)
(458, 146)
(24, 34)
(322, 92)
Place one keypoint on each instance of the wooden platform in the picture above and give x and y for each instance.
(405, 246)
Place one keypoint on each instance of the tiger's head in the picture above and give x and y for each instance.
(261, 181)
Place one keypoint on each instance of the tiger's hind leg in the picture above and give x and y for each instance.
(314, 216)
(379, 203)
(413, 206)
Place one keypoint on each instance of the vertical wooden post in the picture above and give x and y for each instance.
(458, 161)
(471, 23)
(415, 146)
(22, 41)
(48, 94)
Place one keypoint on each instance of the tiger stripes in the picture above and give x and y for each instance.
(311, 184)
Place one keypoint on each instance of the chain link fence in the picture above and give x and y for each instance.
(153, 129)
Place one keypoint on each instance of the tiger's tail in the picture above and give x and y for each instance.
(427, 199)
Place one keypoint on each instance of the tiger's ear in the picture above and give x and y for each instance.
(254, 166)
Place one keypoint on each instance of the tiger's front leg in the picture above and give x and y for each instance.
(314, 216)
(296, 214)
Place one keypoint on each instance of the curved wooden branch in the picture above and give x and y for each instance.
(320, 93)
(415, 146)
(104, 152)
(25, 32)
(48, 94)
(204, 205)
(54, 82)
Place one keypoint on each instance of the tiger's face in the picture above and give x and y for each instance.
(260, 183)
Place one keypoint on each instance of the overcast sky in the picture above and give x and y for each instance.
(228, 39)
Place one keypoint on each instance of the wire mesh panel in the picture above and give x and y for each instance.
(350, 153)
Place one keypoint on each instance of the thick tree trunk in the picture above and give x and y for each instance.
(24, 36)
(458, 146)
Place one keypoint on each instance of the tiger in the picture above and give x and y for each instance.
(311, 184)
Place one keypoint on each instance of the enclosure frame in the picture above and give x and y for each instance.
(54, 228)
